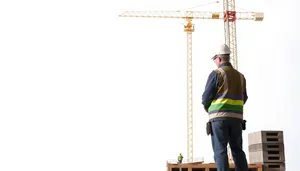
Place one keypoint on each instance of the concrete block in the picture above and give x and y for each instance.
(275, 156)
(265, 137)
(274, 167)
(266, 147)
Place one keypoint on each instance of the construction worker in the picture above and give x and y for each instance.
(180, 157)
(223, 99)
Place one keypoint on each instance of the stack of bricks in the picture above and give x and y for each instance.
(267, 148)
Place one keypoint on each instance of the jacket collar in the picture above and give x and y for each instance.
(225, 64)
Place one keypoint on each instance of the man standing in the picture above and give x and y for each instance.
(180, 157)
(223, 99)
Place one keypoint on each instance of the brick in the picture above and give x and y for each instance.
(266, 147)
(265, 137)
(274, 167)
(274, 156)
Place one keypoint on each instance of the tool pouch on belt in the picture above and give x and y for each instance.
(244, 124)
(208, 128)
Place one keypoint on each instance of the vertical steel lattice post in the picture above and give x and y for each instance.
(189, 28)
(189, 98)
(230, 29)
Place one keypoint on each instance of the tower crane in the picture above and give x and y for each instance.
(229, 16)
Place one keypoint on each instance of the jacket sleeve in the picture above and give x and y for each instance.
(245, 91)
(210, 89)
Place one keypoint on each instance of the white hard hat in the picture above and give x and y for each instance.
(223, 49)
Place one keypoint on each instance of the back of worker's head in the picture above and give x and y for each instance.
(222, 54)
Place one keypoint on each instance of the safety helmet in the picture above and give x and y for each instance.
(223, 49)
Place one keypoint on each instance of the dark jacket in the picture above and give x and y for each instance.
(215, 86)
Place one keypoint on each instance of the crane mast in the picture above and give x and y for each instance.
(229, 16)
(189, 28)
(230, 29)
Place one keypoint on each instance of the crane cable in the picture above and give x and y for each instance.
(200, 5)
(242, 9)
(209, 4)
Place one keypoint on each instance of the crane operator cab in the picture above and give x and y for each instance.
(189, 27)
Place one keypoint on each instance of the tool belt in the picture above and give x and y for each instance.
(209, 127)
(244, 124)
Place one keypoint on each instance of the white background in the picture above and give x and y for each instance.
(84, 89)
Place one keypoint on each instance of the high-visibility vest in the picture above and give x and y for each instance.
(229, 99)
(180, 157)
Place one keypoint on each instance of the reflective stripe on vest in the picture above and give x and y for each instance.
(226, 105)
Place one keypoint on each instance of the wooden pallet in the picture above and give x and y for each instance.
(207, 167)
